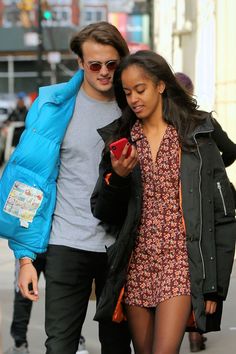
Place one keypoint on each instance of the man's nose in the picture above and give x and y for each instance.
(104, 70)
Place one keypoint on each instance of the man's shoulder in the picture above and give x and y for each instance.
(58, 93)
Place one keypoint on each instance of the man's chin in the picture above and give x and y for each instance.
(105, 88)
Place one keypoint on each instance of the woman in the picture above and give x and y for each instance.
(169, 204)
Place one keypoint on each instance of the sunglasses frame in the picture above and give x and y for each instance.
(114, 64)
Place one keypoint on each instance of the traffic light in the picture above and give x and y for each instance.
(46, 10)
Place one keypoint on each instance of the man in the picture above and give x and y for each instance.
(22, 310)
(76, 253)
(20, 112)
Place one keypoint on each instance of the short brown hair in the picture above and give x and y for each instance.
(100, 32)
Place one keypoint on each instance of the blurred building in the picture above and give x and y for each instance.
(131, 17)
(19, 42)
(198, 38)
(26, 61)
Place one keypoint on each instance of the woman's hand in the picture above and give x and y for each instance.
(124, 166)
(210, 307)
(28, 276)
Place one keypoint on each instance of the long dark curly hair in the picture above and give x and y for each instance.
(180, 109)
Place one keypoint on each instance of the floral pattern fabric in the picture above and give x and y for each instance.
(158, 268)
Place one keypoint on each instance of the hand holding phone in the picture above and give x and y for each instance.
(118, 146)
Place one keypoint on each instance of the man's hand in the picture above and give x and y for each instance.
(28, 276)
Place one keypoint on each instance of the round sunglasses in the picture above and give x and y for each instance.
(96, 66)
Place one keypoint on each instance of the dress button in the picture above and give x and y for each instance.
(190, 190)
(210, 201)
(212, 258)
(210, 229)
(213, 287)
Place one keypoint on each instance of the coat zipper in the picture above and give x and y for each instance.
(222, 197)
(200, 194)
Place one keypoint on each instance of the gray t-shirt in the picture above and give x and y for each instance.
(73, 223)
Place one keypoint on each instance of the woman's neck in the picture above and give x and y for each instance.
(154, 126)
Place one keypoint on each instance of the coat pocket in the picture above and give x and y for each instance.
(223, 198)
(26, 206)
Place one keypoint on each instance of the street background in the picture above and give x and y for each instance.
(196, 37)
(223, 342)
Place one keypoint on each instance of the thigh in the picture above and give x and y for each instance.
(170, 322)
(99, 273)
(141, 323)
(68, 287)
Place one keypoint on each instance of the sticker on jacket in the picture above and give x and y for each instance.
(23, 202)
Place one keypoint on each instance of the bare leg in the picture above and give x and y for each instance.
(141, 323)
(170, 323)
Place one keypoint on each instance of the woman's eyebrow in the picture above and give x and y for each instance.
(135, 86)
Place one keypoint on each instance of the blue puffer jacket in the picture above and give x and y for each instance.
(28, 183)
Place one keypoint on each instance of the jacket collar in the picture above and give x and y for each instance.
(205, 127)
(59, 93)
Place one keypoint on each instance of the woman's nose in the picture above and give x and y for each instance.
(133, 98)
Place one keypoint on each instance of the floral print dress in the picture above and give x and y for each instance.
(158, 269)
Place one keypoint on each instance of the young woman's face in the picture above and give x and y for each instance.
(142, 94)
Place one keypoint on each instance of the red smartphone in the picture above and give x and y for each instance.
(118, 146)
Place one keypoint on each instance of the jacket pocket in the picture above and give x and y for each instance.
(223, 198)
(26, 206)
(219, 187)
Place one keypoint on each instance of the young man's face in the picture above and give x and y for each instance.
(99, 63)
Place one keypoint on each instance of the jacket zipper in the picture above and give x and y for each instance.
(222, 197)
(200, 194)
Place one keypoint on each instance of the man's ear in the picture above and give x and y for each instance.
(80, 62)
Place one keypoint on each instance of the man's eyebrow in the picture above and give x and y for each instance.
(101, 62)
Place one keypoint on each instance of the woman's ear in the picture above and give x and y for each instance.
(161, 87)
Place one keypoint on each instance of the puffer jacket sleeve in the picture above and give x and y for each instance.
(21, 251)
(111, 194)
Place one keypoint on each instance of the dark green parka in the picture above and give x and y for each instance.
(209, 215)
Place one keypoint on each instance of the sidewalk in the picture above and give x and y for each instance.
(223, 342)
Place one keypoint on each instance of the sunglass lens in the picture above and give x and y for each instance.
(95, 66)
(111, 65)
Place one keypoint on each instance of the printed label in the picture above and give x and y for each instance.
(23, 201)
